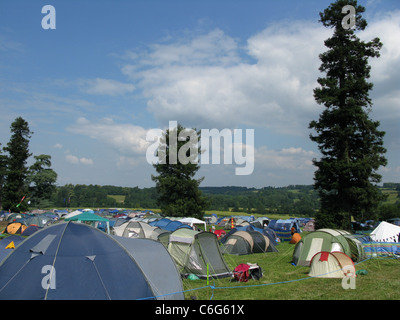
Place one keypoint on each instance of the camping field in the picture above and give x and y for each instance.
(283, 281)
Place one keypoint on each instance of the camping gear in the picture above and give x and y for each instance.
(220, 233)
(385, 232)
(336, 264)
(240, 242)
(76, 261)
(246, 271)
(327, 240)
(296, 237)
(192, 251)
(241, 272)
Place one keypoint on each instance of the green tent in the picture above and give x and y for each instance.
(329, 240)
(196, 252)
(87, 216)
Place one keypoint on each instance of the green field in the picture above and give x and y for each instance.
(283, 281)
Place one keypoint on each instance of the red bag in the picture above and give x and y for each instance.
(241, 273)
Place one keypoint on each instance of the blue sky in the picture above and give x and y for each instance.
(112, 70)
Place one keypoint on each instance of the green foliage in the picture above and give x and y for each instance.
(15, 187)
(42, 178)
(350, 143)
(296, 200)
(178, 191)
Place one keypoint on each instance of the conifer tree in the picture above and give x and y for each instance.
(350, 143)
(177, 189)
(15, 187)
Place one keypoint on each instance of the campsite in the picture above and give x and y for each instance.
(201, 268)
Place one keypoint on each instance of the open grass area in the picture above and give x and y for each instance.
(283, 281)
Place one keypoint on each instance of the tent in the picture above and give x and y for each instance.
(385, 232)
(88, 216)
(169, 225)
(15, 228)
(72, 214)
(260, 222)
(283, 228)
(240, 242)
(193, 221)
(309, 225)
(193, 251)
(30, 230)
(327, 240)
(138, 229)
(8, 244)
(331, 265)
(76, 261)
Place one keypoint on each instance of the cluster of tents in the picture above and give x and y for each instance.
(146, 256)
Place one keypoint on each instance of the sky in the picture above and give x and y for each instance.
(112, 71)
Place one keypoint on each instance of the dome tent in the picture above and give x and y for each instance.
(138, 229)
(193, 251)
(327, 240)
(331, 265)
(103, 268)
(241, 242)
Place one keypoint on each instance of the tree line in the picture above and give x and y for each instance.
(299, 200)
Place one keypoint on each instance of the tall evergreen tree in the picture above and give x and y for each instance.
(42, 178)
(15, 187)
(350, 142)
(177, 189)
(3, 173)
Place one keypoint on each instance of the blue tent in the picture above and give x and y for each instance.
(169, 225)
(76, 261)
(8, 244)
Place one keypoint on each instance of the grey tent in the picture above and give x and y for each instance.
(193, 251)
(76, 261)
(138, 229)
(241, 242)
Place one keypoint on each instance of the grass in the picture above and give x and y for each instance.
(283, 281)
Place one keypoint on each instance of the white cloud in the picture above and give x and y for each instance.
(75, 160)
(286, 158)
(212, 87)
(127, 139)
(58, 146)
(72, 159)
(86, 161)
(105, 87)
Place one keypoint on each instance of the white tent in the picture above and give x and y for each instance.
(192, 221)
(72, 214)
(385, 232)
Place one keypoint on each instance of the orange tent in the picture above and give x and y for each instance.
(15, 228)
(295, 238)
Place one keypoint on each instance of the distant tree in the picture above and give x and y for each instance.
(42, 179)
(15, 187)
(350, 142)
(177, 189)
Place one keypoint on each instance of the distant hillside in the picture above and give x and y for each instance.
(294, 200)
